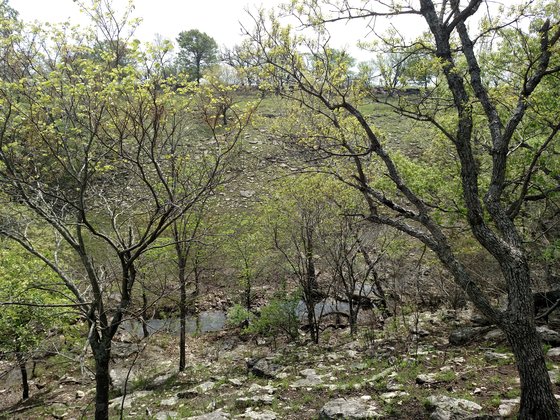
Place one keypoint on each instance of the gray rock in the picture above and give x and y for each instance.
(464, 335)
(491, 356)
(254, 401)
(258, 389)
(448, 408)
(554, 376)
(508, 408)
(554, 352)
(311, 379)
(246, 193)
(116, 403)
(263, 368)
(388, 396)
(170, 401)
(495, 335)
(258, 415)
(166, 415)
(378, 376)
(80, 394)
(549, 336)
(350, 408)
(426, 379)
(214, 415)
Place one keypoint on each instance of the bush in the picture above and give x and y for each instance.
(277, 318)
(239, 316)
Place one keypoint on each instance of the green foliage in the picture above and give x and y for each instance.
(276, 318)
(25, 317)
(238, 316)
(197, 52)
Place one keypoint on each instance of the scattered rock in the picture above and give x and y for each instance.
(466, 334)
(258, 415)
(448, 408)
(236, 381)
(263, 368)
(197, 390)
(116, 403)
(246, 193)
(80, 394)
(495, 335)
(378, 376)
(170, 401)
(255, 401)
(351, 408)
(491, 356)
(554, 376)
(310, 380)
(426, 379)
(214, 415)
(508, 408)
(258, 389)
(554, 352)
(388, 396)
(166, 415)
(549, 336)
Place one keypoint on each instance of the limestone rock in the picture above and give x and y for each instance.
(214, 415)
(464, 335)
(448, 408)
(554, 352)
(258, 415)
(80, 394)
(507, 408)
(549, 336)
(311, 379)
(426, 379)
(491, 356)
(166, 415)
(254, 401)
(170, 401)
(350, 408)
(263, 368)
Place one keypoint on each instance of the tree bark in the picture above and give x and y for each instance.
(24, 381)
(537, 397)
(101, 354)
(182, 314)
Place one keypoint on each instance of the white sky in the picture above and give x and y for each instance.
(218, 18)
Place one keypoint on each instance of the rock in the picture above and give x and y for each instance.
(119, 377)
(491, 356)
(388, 396)
(166, 415)
(549, 336)
(170, 401)
(161, 380)
(116, 403)
(495, 335)
(554, 352)
(378, 376)
(197, 390)
(258, 415)
(508, 408)
(236, 381)
(214, 415)
(554, 376)
(258, 389)
(466, 334)
(426, 379)
(448, 408)
(255, 401)
(350, 408)
(80, 394)
(246, 193)
(263, 368)
(311, 379)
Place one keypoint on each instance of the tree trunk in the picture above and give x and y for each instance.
(23, 370)
(101, 354)
(537, 397)
(145, 330)
(182, 314)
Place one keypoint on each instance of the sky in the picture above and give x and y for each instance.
(218, 18)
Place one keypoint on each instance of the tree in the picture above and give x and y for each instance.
(29, 308)
(85, 148)
(198, 51)
(482, 133)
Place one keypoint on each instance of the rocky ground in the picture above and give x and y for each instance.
(409, 370)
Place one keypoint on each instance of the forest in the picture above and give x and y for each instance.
(277, 230)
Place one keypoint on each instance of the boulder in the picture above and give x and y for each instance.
(350, 408)
(311, 379)
(464, 335)
(214, 415)
(549, 336)
(554, 352)
(254, 401)
(258, 415)
(448, 408)
(508, 408)
(263, 368)
(166, 415)
(426, 379)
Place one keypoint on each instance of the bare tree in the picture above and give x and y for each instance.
(339, 132)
